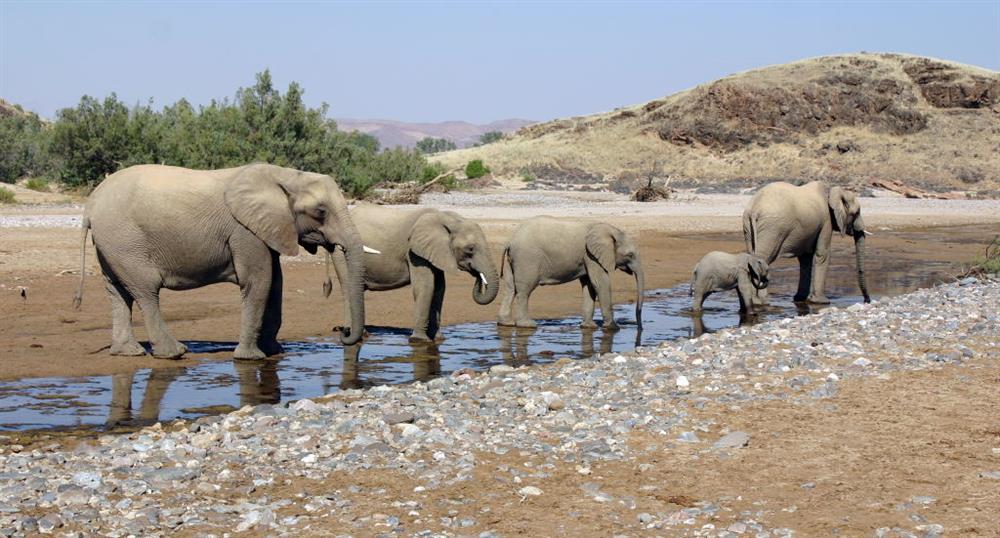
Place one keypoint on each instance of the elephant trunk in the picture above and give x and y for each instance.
(859, 254)
(353, 289)
(640, 286)
(484, 292)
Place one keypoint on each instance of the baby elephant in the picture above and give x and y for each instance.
(721, 271)
(545, 251)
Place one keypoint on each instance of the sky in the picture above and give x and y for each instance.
(437, 61)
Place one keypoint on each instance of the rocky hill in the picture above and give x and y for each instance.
(851, 119)
(397, 133)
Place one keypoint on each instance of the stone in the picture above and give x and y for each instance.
(733, 440)
(682, 382)
(530, 491)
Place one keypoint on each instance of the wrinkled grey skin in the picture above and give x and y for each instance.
(417, 248)
(544, 251)
(722, 271)
(160, 227)
(785, 220)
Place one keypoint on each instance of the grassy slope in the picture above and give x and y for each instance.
(899, 117)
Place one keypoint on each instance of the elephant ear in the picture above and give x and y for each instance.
(430, 239)
(258, 201)
(601, 239)
(836, 201)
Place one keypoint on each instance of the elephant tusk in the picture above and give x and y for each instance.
(866, 232)
(483, 278)
(370, 250)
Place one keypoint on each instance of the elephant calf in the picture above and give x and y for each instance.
(722, 271)
(545, 251)
(416, 248)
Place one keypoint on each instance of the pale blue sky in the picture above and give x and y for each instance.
(442, 61)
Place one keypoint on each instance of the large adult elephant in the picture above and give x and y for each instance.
(546, 251)
(416, 248)
(160, 227)
(784, 220)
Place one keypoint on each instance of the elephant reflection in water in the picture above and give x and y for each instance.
(259, 384)
(698, 326)
(425, 357)
(514, 344)
(149, 410)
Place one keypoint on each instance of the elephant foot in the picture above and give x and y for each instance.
(128, 349)
(248, 353)
(506, 322)
(526, 324)
(611, 326)
(272, 348)
(819, 299)
(588, 325)
(174, 350)
(420, 337)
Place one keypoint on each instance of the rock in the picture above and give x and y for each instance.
(49, 523)
(733, 440)
(862, 362)
(689, 437)
(682, 382)
(306, 406)
(501, 369)
(530, 491)
(398, 418)
(990, 475)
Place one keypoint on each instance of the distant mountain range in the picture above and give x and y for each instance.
(397, 133)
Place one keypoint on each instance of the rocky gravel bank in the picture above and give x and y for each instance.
(244, 471)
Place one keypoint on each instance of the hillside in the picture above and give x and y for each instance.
(849, 119)
(397, 133)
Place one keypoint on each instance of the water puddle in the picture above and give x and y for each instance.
(316, 367)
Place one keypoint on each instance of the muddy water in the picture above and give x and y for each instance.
(321, 366)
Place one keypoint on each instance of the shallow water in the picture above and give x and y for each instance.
(317, 367)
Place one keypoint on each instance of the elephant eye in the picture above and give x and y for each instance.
(469, 249)
(319, 213)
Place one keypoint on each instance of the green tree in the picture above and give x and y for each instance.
(490, 137)
(23, 150)
(476, 169)
(429, 145)
(91, 139)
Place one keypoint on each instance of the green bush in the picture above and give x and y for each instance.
(528, 177)
(23, 147)
(490, 137)
(37, 184)
(6, 196)
(476, 169)
(435, 145)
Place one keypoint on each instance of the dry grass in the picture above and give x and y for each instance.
(855, 118)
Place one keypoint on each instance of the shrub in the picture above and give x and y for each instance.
(476, 169)
(37, 184)
(528, 177)
(435, 145)
(7, 196)
(490, 137)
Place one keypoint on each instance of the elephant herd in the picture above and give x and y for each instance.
(156, 227)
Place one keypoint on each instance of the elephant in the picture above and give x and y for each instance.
(416, 248)
(160, 227)
(722, 271)
(546, 251)
(784, 220)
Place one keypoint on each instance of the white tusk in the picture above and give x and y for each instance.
(483, 278)
(370, 250)
(868, 233)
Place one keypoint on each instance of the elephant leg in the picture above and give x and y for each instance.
(524, 285)
(698, 295)
(820, 262)
(437, 305)
(805, 277)
(165, 346)
(253, 264)
(601, 281)
(423, 281)
(123, 340)
(589, 295)
(505, 317)
(268, 341)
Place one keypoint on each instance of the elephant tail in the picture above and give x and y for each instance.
(749, 233)
(84, 230)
